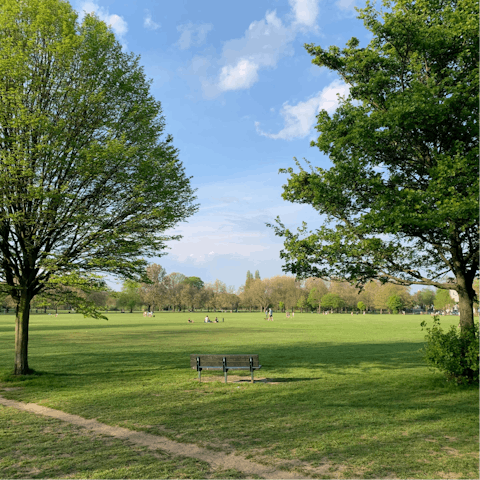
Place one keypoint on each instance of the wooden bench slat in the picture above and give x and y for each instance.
(229, 367)
(232, 360)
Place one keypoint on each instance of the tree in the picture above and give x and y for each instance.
(192, 287)
(424, 298)
(384, 292)
(89, 184)
(315, 297)
(153, 292)
(302, 302)
(401, 199)
(347, 292)
(174, 285)
(195, 282)
(262, 292)
(333, 301)
(442, 300)
(130, 295)
(361, 306)
(395, 303)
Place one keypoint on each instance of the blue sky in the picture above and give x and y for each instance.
(240, 96)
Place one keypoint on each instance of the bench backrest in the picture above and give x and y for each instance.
(217, 360)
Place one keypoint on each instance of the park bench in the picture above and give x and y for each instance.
(224, 362)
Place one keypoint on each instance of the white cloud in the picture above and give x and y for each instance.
(305, 12)
(117, 23)
(242, 75)
(264, 43)
(299, 119)
(192, 34)
(149, 23)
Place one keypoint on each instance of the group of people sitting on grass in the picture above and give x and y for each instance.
(148, 314)
(207, 320)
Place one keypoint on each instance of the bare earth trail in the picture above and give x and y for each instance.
(154, 442)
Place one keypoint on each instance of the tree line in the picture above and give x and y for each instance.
(178, 292)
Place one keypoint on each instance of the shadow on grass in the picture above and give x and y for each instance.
(85, 367)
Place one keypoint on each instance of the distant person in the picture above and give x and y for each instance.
(207, 320)
(190, 321)
(216, 320)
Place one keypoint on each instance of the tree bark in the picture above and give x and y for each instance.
(21, 334)
(465, 306)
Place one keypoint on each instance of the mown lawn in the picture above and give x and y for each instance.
(344, 396)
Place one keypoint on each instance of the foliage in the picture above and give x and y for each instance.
(314, 298)
(395, 303)
(453, 352)
(89, 183)
(442, 300)
(400, 203)
(424, 298)
(130, 295)
(302, 302)
(361, 306)
(195, 282)
(332, 300)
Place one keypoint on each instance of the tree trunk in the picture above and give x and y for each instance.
(21, 334)
(465, 306)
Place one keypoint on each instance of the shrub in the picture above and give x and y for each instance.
(453, 352)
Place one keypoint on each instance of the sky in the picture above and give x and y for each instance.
(240, 97)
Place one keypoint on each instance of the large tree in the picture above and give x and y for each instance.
(89, 183)
(400, 201)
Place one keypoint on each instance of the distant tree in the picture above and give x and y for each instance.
(263, 292)
(385, 291)
(257, 275)
(302, 302)
(191, 291)
(130, 297)
(174, 285)
(395, 303)
(361, 306)
(348, 293)
(424, 298)
(196, 282)
(89, 184)
(333, 301)
(153, 293)
(314, 298)
(443, 300)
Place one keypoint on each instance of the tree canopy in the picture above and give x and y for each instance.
(89, 182)
(400, 201)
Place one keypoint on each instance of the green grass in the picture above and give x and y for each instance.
(347, 395)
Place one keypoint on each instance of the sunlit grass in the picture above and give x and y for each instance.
(349, 392)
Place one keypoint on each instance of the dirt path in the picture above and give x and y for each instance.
(215, 459)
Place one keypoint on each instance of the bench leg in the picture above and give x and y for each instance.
(225, 376)
(199, 375)
(252, 376)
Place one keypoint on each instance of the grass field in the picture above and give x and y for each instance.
(341, 396)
